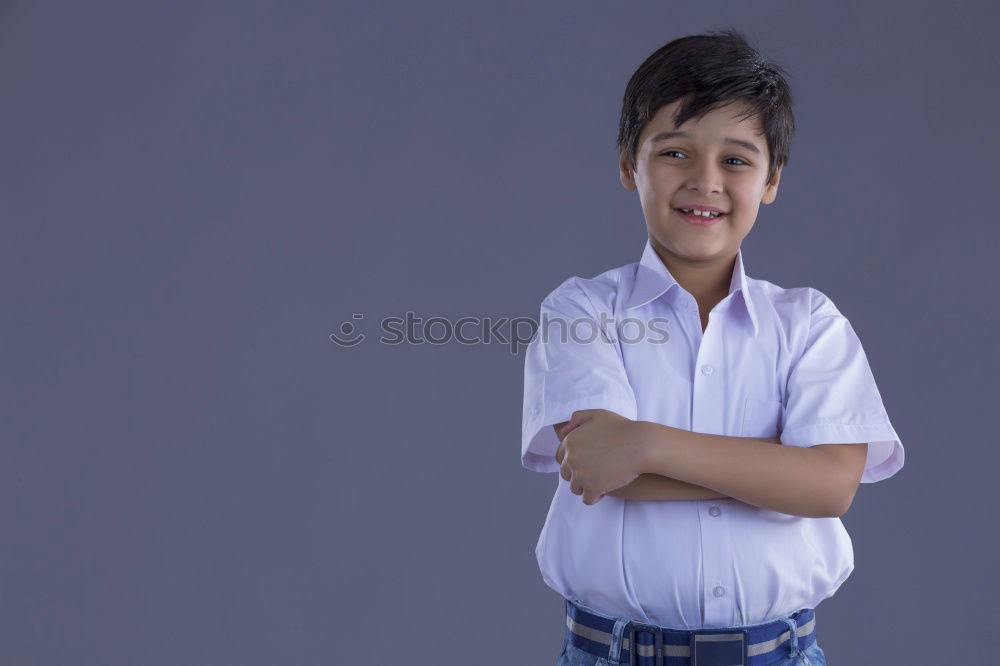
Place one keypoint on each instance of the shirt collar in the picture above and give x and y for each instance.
(652, 279)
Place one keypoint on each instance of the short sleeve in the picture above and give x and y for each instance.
(570, 364)
(831, 396)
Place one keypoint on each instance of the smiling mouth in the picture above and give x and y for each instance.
(700, 213)
(698, 219)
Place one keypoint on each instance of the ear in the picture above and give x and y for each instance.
(771, 189)
(625, 172)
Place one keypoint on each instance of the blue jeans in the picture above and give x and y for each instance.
(574, 656)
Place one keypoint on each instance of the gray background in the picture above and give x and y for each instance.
(195, 195)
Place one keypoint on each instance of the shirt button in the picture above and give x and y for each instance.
(719, 591)
(715, 511)
(707, 369)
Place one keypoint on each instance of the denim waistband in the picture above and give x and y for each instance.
(751, 645)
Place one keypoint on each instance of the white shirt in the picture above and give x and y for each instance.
(771, 361)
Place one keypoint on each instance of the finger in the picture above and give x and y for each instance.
(565, 472)
(580, 416)
(560, 452)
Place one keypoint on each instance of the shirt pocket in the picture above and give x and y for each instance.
(761, 418)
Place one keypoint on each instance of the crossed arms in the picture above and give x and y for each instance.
(815, 481)
(649, 486)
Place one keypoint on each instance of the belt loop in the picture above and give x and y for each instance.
(633, 659)
(617, 638)
(793, 627)
(659, 658)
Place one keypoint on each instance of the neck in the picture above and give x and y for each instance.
(707, 280)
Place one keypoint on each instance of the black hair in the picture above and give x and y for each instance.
(708, 71)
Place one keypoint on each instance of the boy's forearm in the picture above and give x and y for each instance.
(650, 486)
(801, 481)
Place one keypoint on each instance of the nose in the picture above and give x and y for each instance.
(704, 177)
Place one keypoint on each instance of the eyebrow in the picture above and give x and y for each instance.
(665, 136)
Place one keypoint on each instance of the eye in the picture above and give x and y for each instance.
(742, 162)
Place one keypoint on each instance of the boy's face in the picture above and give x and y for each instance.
(700, 167)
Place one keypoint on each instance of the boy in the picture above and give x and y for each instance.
(715, 426)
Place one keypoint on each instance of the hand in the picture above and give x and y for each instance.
(601, 451)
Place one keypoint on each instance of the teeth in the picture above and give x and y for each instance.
(700, 213)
